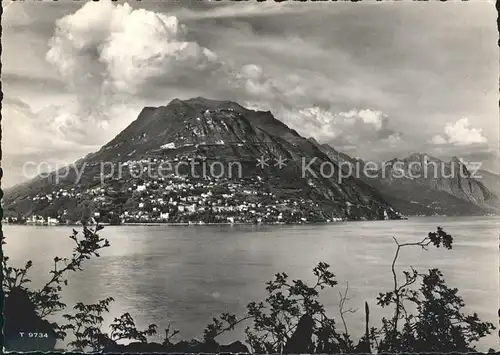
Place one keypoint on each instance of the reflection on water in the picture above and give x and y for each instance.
(188, 274)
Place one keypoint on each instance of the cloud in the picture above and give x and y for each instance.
(51, 130)
(121, 52)
(437, 139)
(109, 57)
(105, 50)
(348, 130)
(369, 117)
(109, 54)
(395, 140)
(31, 139)
(460, 133)
(240, 10)
(54, 131)
(115, 59)
(114, 49)
(261, 91)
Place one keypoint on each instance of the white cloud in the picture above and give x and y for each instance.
(109, 53)
(345, 130)
(437, 139)
(109, 56)
(54, 131)
(26, 132)
(460, 133)
(255, 82)
(395, 140)
(261, 91)
(372, 117)
(116, 49)
(35, 140)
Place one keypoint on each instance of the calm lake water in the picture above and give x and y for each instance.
(185, 275)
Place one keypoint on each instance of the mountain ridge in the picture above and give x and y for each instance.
(215, 131)
(250, 128)
(451, 189)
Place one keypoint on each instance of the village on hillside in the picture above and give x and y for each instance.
(171, 199)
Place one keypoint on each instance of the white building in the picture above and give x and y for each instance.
(52, 221)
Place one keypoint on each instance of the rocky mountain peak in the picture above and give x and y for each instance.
(421, 157)
(424, 177)
(209, 130)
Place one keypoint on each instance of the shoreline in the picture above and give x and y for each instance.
(136, 224)
(199, 224)
(177, 224)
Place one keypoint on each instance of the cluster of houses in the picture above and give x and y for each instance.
(181, 199)
(57, 194)
(217, 201)
(38, 220)
(41, 221)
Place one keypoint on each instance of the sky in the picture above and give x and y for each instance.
(374, 80)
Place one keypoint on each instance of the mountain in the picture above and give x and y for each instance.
(424, 185)
(336, 155)
(489, 160)
(296, 181)
(426, 172)
(489, 179)
(351, 166)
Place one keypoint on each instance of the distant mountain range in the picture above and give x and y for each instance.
(284, 176)
(421, 184)
(489, 179)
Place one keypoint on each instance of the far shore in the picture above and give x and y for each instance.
(157, 224)
(175, 224)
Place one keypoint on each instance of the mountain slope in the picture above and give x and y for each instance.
(490, 180)
(206, 132)
(424, 185)
(450, 177)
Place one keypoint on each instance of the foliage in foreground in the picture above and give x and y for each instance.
(290, 320)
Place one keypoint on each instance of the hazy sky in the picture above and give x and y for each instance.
(376, 80)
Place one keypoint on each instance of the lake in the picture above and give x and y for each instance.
(185, 275)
